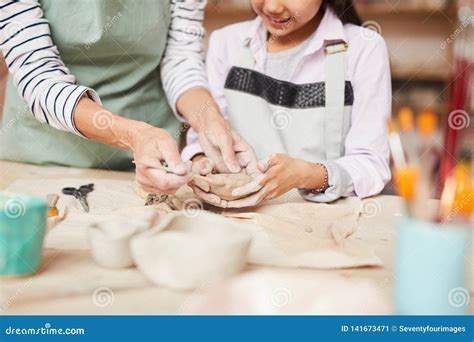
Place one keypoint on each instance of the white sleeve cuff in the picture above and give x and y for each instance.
(190, 151)
(340, 185)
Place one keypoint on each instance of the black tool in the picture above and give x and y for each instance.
(80, 194)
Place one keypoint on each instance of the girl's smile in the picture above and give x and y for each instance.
(288, 22)
(277, 22)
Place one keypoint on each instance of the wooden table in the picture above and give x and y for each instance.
(69, 277)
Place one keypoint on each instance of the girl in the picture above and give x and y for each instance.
(305, 84)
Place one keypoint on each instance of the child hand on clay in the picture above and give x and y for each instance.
(282, 173)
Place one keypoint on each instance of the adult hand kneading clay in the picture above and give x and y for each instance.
(188, 252)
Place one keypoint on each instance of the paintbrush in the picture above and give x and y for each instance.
(405, 176)
(457, 200)
(52, 200)
(427, 125)
(447, 200)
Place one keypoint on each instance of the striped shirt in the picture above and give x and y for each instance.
(47, 85)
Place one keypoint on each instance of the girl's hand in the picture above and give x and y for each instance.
(215, 136)
(151, 146)
(201, 165)
(204, 166)
(282, 173)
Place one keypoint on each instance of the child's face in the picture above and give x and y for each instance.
(283, 17)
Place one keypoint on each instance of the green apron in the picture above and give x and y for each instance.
(114, 47)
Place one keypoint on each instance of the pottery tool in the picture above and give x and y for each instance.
(52, 200)
(447, 199)
(428, 156)
(464, 199)
(414, 155)
(396, 147)
(407, 133)
(406, 176)
(80, 194)
(161, 165)
(406, 180)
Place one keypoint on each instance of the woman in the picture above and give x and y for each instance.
(91, 69)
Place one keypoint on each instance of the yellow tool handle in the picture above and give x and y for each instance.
(406, 180)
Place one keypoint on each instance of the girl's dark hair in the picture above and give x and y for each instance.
(345, 10)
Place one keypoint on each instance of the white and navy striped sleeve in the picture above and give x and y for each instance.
(182, 67)
(33, 60)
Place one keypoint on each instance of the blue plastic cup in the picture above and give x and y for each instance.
(22, 231)
(430, 269)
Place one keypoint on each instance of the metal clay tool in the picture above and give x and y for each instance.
(80, 194)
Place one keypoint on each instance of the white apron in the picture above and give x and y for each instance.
(305, 121)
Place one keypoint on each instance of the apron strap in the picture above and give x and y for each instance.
(335, 92)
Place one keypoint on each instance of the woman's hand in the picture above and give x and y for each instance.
(216, 140)
(282, 173)
(151, 146)
(226, 149)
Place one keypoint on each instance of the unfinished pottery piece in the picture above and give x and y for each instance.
(179, 198)
(190, 252)
(223, 184)
(110, 240)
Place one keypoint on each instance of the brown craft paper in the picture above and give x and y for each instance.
(306, 234)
